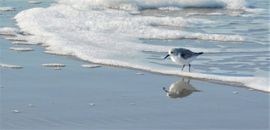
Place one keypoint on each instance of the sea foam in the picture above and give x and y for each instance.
(8, 31)
(7, 9)
(10, 66)
(21, 48)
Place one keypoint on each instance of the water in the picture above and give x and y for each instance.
(36, 97)
(137, 34)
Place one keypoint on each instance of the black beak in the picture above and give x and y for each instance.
(166, 56)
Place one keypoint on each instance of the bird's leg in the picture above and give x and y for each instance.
(188, 81)
(189, 67)
(183, 67)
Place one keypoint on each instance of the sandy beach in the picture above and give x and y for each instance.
(77, 96)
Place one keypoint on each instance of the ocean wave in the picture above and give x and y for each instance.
(155, 4)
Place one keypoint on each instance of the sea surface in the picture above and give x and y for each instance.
(233, 34)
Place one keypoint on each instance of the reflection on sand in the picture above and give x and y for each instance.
(180, 89)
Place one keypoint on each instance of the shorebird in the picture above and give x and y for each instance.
(182, 56)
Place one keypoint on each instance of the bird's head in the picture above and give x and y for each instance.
(170, 52)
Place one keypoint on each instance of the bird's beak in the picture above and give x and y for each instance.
(166, 56)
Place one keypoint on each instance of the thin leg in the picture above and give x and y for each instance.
(188, 81)
(189, 67)
(183, 67)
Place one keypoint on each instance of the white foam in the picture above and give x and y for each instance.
(90, 66)
(7, 9)
(55, 53)
(16, 38)
(139, 73)
(235, 4)
(22, 43)
(258, 83)
(34, 2)
(167, 35)
(10, 66)
(21, 48)
(208, 14)
(8, 31)
(16, 111)
(169, 8)
(111, 37)
(58, 65)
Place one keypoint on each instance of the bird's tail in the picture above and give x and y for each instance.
(199, 53)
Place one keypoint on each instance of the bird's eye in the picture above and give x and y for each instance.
(172, 52)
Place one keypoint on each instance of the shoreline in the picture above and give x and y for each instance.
(221, 82)
(119, 98)
(232, 84)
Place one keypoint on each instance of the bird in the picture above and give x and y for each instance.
(182, 56)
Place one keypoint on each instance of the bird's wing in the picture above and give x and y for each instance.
(185, 54)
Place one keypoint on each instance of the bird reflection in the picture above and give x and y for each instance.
(180, 89)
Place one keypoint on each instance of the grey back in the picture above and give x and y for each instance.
(184, 53)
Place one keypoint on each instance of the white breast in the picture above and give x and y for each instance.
(179, 60)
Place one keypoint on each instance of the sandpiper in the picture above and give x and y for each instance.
(182, 56)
